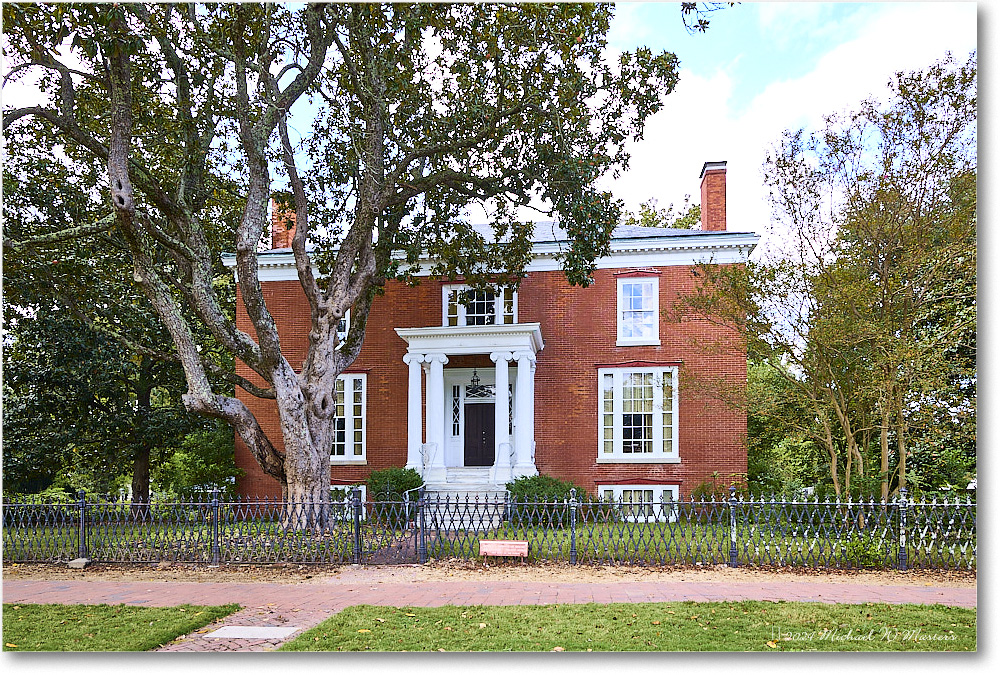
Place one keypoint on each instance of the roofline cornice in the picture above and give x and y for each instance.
(743, 242)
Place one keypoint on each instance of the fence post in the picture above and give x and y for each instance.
(82, 538)
(421, 526)
(901, 553)
(356, 503)
(215, 527)
(572, 526)
(732, 527)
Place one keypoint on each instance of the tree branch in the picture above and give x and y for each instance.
(76, 232)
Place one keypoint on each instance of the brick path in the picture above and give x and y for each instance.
(306, 604)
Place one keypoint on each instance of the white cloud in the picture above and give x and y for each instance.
(699, 122)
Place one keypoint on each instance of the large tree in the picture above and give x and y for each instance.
(420, 110)
(868, 309)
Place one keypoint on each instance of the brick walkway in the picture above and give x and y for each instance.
(306, 604)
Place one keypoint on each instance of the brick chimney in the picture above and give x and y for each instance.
(713, 197)
(282, 225)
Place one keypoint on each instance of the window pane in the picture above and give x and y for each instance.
(339, 421)
(638, 318)
(480, 308)
(453, 308)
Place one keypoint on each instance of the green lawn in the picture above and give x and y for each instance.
(672, 626)
(101, 628)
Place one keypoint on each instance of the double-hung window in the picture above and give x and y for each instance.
(638, 414)
(638, 310)
(349, 420)
(464, 306)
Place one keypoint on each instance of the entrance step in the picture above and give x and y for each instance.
(477, 475)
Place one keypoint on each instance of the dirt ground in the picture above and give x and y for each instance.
(468, 570)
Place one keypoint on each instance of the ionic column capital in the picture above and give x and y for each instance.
(410, 358)
(436, 358)
(496, 357)
(518, 356)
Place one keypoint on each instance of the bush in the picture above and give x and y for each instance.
(205, 461)
(864, 551)
(528, 491)
(391, 484)
(716, 488)
(542, 489)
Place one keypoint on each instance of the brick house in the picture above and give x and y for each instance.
(595, 378)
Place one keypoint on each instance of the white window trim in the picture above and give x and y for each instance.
(636, 341)
(660, 514)
(342, 335)
(497, 305)
(347, 459)
(657, 456)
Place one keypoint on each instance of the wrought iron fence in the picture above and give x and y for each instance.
(736, 532)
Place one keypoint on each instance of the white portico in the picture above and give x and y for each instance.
(479, 422)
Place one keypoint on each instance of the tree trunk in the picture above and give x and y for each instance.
(884, 441)
(308, 441)
(140, 482)
(140, 466)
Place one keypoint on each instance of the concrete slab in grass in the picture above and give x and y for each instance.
(253, 632)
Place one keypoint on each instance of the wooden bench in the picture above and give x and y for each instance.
(503, 548)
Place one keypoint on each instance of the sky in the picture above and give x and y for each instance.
(762, 68)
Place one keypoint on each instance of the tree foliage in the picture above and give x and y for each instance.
(177, 118)
(686, 217)
(83, 413)
(868, 312)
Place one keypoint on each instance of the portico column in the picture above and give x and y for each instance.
(414, 421)
(501, 462)
(436, 472)
(523, 406)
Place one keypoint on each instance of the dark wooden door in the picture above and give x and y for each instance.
(480, 432)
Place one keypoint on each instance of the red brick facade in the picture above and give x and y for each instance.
(578, 326)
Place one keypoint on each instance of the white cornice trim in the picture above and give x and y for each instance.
(731, 247)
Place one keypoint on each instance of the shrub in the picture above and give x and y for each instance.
(863, 551)
(526, 493)
(542, 489)
(717, 488)
(205, 461)
(391, 484)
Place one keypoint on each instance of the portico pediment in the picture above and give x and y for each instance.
(455, 340)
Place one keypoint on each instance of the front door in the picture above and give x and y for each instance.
(480, 430)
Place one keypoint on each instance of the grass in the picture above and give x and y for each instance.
(671, 626)
(101, 628)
